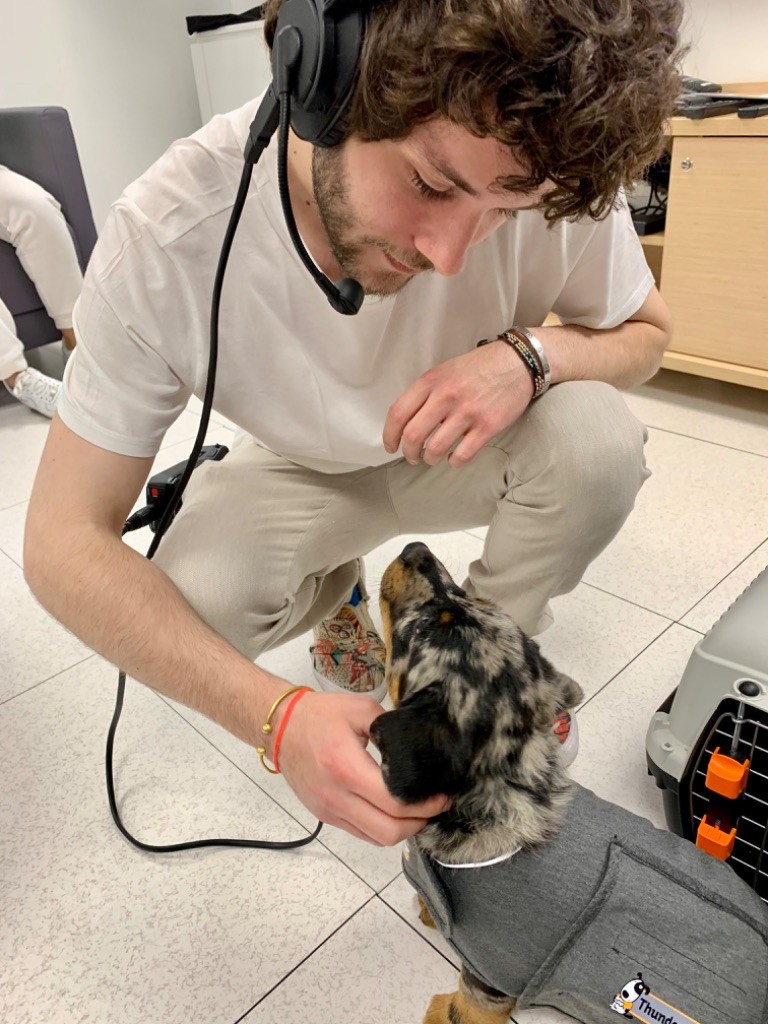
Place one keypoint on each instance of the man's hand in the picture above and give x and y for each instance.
(469, 400)
(323, 757)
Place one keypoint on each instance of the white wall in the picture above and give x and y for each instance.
(729, 39)
(123, 70)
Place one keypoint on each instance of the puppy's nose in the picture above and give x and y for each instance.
(415, 556)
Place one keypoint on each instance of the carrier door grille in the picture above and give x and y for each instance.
(740, 737)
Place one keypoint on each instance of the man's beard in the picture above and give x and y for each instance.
(331, 188)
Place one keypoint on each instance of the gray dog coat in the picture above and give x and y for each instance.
(571, 923)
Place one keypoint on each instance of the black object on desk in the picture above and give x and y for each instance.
(699, 85)
(754, 110)
(697, 106)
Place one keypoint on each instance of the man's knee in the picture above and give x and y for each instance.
(584, 449)
(235, 596)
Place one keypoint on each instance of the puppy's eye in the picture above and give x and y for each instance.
(424, 619)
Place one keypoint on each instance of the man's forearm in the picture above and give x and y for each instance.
(623, 356)
(127, 610)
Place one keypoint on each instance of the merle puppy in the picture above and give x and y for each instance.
(549, 895)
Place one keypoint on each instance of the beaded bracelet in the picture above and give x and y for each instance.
(538, 350)
(267, 728)
(527, 357)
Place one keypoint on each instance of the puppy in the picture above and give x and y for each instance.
(548, 895)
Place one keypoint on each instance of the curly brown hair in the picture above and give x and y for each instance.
(579, 90)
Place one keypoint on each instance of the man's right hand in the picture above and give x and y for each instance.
(323, 757)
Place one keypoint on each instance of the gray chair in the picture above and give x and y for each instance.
(38, 142)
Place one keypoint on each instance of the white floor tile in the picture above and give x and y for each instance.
(376, 970)
(613, 725)
(34, 647)
(595, 635)
(702, 512)
(401, 896)
(23, 438)
(12, 531)
(705, 614)
(96, 931)
(711, 410)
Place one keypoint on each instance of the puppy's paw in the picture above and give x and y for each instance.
(424, 915)
(439, 1010)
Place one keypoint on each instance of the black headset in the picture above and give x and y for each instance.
(315, 60)
(329, 37)
(315, 57)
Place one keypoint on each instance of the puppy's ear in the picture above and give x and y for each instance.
(422, 752)
(557, 692)
(571, 694)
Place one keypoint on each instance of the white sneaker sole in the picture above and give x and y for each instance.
(330, 687)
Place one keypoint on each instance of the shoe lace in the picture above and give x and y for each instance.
(41, 387)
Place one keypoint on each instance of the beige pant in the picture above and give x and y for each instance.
(264, 549)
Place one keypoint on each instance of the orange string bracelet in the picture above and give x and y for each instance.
(284, 721)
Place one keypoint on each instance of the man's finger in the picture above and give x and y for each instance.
(401, 412)
(369, 786)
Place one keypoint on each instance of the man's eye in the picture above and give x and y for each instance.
(427, 190)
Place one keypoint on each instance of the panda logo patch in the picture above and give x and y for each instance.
(630, 993)
(636, 1002)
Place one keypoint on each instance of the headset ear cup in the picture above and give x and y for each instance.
(326, 71)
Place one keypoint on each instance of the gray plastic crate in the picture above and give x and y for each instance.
(722, 701)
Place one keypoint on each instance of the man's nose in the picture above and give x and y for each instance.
(446, 244)
(415, 555)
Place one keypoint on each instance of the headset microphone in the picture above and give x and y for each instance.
(314, 65)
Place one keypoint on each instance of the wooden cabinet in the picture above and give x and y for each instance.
(711, 262)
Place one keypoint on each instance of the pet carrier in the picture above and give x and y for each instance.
(707, 745)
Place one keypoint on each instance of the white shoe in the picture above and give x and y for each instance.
(36, 391)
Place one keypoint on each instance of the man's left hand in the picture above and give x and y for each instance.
(464, 402)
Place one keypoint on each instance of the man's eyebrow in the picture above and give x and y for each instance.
(453, 176)
(456, 179)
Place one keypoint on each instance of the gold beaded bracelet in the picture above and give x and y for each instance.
(267, 727)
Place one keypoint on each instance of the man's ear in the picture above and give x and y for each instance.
(422, 752)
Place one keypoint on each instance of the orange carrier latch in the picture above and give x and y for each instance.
(716, 835)
(727, 776)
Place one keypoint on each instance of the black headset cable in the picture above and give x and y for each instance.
(168, 514)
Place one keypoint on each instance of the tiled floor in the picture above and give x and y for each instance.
(93, 931)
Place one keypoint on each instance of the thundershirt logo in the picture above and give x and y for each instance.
(636, 1002)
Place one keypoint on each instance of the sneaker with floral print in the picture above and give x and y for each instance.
(348, 654)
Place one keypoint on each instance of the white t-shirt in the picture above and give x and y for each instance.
(305, 381)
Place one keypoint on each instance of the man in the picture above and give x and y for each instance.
(477, 188)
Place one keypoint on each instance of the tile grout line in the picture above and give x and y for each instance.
(304, 959)
(720, 582)
(413, 927)
(634, 658)
(704, 440)
(48, 679)
(269, 796)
